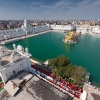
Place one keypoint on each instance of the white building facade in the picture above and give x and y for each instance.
(87, 29)
(24, 30)
(62, 27)
(83, 29)
(27, 29)
(12, 62)
(96, 29)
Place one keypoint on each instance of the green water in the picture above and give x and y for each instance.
(85, 53)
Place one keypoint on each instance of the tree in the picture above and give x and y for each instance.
(63, 61)
(63, 67)
(79, 74)
(53, 62)
(59, 61)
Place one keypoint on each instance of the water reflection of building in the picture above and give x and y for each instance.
(69, 47)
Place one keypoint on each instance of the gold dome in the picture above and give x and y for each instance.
(70, 36)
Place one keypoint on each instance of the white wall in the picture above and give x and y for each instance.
(23, 64)
(62, 27)
(96, 29)
(12, 33)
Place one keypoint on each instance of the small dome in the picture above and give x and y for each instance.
(14, 44)
(26, 49)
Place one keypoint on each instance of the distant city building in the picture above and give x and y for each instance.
(14, 29)
(83, 29)
(88, 29)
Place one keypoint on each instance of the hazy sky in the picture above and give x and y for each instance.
(49, 9)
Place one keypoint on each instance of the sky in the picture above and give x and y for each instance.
(50, 9)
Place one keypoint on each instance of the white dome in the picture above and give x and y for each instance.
(19, 47)
(14, 45)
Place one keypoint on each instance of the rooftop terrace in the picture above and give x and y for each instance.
(37, 89)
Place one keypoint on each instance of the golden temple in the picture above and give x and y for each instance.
(71, 37)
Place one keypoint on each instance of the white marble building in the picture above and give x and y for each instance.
(32, 30)
(12, 62)
(96, 29)
(83, 29)
(11, 33)
(62, 27)
(26, 29)
(87, 29)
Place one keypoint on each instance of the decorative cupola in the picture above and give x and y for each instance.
(27, 52)
(20, 49)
